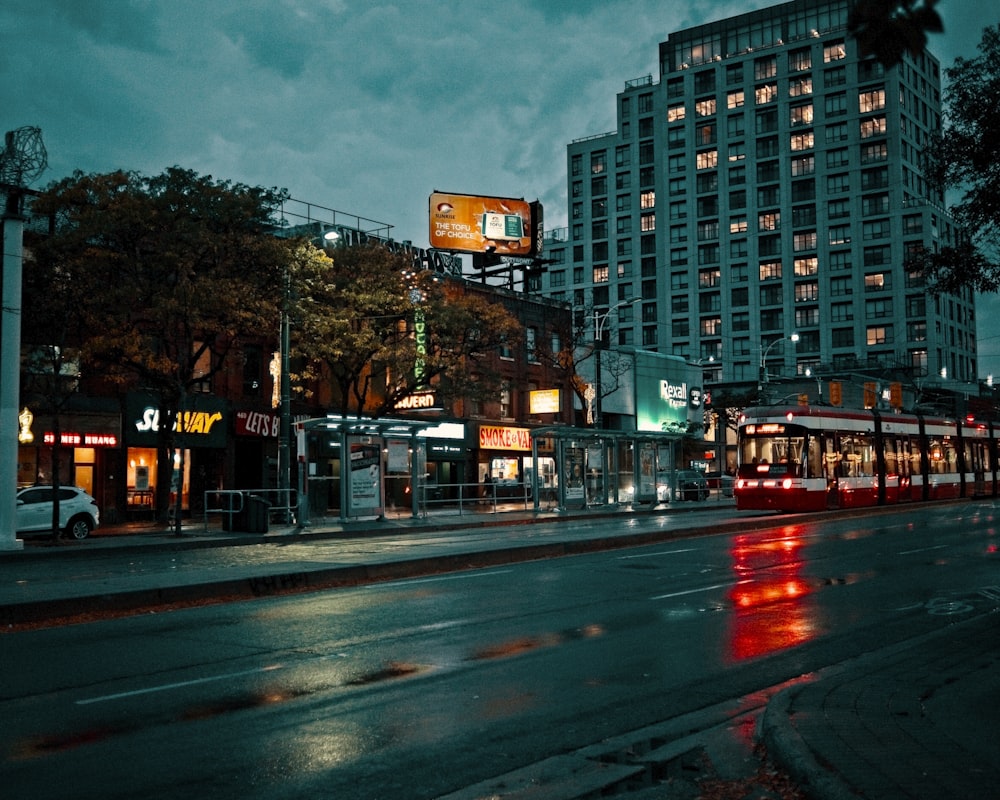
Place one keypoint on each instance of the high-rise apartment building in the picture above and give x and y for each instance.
(767, 184)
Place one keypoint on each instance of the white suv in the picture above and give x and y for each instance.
(78, 512)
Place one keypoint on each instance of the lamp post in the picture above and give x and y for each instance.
(763, 358)
(285, 423)
(599, 320)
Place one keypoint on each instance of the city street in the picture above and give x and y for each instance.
(422, 686)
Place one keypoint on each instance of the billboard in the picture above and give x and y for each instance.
(666, 396)
(467, 223)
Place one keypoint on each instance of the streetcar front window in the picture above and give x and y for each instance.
(772, 454)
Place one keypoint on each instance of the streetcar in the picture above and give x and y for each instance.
(810, 458)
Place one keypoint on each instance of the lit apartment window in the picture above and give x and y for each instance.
(766, 93)
(871, 100)
(803, 141)
(879, 334)
(769, 221)
(675, 113)
(598, 163)
(799, 87)
(770, 271)
(806, 292)
(737, 151)
(711, 326)
(801, 115)
(601, 273)
(647, 199)
(738, 224)
(709, 278)
(877, 282)
(874, 126)
(834, 51)
(647, 222)
(708, 159)
(804, 267)
(735, 99)
(705, 108)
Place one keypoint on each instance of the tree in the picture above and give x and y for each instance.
(376, 331)
(887, 29)
(170, 271)
(965, 156)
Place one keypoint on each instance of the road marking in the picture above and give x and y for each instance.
(923, 549)
(464, 576)
(660, 553)
(165, 687)
(702, 589)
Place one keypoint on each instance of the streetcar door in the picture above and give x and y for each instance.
(831, 467)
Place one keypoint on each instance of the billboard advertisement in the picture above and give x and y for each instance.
(666, 396)
(467, 223)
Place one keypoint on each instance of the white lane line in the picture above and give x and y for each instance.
(660, 553)
(165, 687)
(702, 589)
(462, 577)
(923, 549)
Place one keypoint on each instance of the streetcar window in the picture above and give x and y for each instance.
(915, 468)
(943, 456)
(857, 456)
(773, 450)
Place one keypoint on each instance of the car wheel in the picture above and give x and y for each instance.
(78, 528)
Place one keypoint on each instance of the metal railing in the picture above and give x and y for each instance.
(229, 503)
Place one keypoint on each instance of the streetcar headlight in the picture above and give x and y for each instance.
(786, 483)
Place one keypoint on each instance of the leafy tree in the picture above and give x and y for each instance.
(376, 331)
(965, 156)
(169, 272)
(887, 29)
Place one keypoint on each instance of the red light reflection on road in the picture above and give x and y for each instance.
(770, 605)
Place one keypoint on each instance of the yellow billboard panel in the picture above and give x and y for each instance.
(473, 224)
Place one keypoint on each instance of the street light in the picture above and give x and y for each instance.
(763, 358)
(599, 320)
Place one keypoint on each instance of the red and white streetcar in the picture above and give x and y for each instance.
(808, 458)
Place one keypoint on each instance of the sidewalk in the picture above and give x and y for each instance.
(916, 720)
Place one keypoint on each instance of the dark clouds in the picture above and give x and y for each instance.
(365, 106)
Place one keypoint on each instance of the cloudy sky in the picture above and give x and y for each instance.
(364, 106)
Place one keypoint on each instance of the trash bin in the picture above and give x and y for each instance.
(258, 514)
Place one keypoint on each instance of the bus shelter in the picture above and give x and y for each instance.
(595, 467)
(354, 455)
